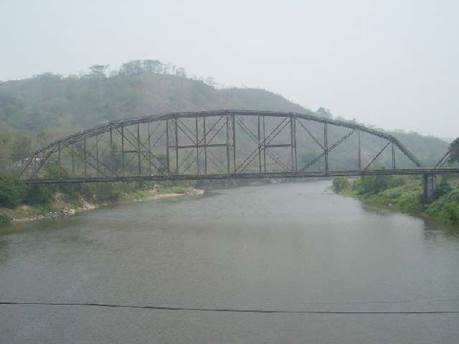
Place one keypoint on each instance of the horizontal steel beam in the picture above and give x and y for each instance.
(281, 145)
(199, 145)
(267, 175)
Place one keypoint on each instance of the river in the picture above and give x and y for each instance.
(284, 247)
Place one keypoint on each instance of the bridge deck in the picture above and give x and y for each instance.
(268, 175)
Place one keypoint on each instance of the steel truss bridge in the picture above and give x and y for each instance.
(224, 144)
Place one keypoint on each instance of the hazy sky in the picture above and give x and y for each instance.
(388, 63)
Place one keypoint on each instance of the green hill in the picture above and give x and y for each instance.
(39, 109)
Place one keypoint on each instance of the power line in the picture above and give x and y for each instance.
(224, 310)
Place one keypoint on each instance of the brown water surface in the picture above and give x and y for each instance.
(275, 247)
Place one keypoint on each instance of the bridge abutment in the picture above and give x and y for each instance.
(429, 186)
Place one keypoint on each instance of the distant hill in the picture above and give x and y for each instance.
(54, 103)
(48, 106)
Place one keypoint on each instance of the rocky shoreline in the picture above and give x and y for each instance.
(26, 213)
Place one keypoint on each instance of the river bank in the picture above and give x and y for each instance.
(404, 194)
(68, 204)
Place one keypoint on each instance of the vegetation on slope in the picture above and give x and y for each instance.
(404, 194)
(40, 109)
(21, 201)
(50, 105)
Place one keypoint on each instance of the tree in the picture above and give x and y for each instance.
(98, 71)
(168, 68)
(42, 138)
(211, 81)
(152, 66)
(132, 68)
(20, 149)
(180, 72)
(371, 185)
(454, 151)
(11, 190)
(322, 112)
(5, 142)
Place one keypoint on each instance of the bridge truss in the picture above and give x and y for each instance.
(219, 145)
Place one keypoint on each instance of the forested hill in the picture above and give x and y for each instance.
(48, 106)
(52, 103)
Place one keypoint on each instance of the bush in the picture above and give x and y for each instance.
(11, 190)
(446, 208)
(340, 184)
(410, 201)
(106, 192)
(4, 220)
(39, 195)
(443, 188)
(372, 185)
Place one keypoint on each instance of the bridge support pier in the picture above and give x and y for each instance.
(429, 186)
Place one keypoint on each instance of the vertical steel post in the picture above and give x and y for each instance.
(294, 140)
(84, 157)
(97, 155)
(149, 148)
(205, 144)
(233, 124)
(264, 145)
(326, 147)
(112, 150)
(73, 162)
(227, 145)
(393, 156)
(139, 161)
(176, 146)
(59, 159)
(259, 142)
(122, 152)
(359, 150)
(292, 145)
(167, 148)
(197, 143)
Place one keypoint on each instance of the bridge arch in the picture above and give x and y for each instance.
(206, 145)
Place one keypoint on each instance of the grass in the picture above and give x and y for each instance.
(446, 208)
(405, 195)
